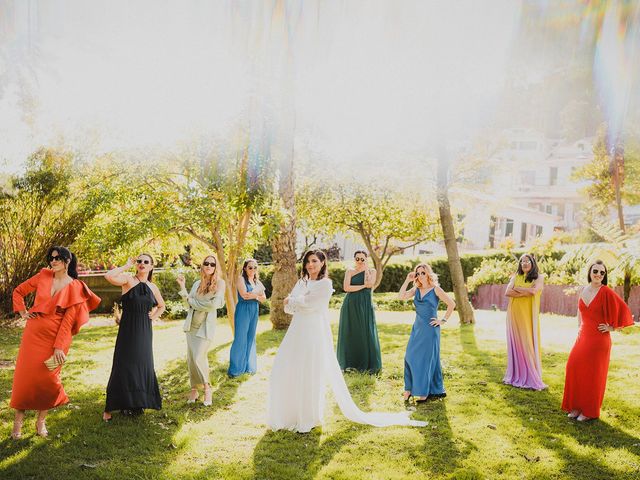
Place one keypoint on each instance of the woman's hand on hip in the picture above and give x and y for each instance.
(59, 355)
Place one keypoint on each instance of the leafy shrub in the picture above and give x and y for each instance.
(176, 310)
(492, 271)
(166, 282)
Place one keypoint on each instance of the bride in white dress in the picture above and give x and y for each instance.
(306, 361)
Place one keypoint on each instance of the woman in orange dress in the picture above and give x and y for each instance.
(600, 311)
(62, 304)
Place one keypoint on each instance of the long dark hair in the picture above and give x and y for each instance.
(68, 257)
(362, 252)
(605, 279)
(305, 260)
(244, 270)
(533, 273)
(152, 263)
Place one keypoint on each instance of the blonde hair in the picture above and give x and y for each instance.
(208, 283)
(431, 276)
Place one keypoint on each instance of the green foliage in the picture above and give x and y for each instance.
(600, 189)
(385, 221)
(619, 251)
(492, 271)
(51, 203)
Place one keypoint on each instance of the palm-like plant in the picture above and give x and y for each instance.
(619, 250)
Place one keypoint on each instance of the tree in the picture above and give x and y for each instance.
(387, 222)
(465, 310)
(284, 250)
(49, 204)
(223, 202)
(614, 180)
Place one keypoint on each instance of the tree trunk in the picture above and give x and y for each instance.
(378, 263)
(284, 250)
(465, 311)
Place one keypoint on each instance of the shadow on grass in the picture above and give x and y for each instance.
(285, 454)
(550, 421)
(80, 445)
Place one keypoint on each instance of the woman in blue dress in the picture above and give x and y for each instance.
(422, 370)
(245, 320)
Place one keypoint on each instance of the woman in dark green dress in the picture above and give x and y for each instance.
(358, 344)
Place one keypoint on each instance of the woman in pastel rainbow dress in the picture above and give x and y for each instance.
(524, 369)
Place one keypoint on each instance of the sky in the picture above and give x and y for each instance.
(340, 81)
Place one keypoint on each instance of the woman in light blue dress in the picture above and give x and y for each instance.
(422, 370)
(243, 357)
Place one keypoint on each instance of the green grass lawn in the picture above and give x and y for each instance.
(483, 429)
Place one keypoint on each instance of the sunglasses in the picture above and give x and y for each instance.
(146, 262)
(359, 259)
(421, 273)
(56, 258)
(595, 271)
(208, 264)
(252, 268)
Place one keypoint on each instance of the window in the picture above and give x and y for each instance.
(553, 175)
(508, 227)
(523, 232)
(581, 146)
(561, 210)
(548, 208)
(492, 231)
(538, 230)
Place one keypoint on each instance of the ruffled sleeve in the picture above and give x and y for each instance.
(24, 289)
(76, 294)
(616, 312)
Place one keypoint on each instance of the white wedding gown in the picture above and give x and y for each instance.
(306, 361)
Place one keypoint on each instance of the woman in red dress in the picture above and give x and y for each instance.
(600, 311)
(61, 306)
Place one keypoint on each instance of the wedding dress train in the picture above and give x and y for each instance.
(306, 362)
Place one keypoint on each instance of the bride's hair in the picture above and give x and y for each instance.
(321, 256)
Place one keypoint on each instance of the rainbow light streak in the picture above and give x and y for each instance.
(616, 63)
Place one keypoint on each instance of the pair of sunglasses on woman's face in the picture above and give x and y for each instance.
(252, 267)
(146, 262)
(360, 259)
(55, 258)
(208, 264)
(595, 271)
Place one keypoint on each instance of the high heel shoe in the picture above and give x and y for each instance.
(192, 398)
(573, 414)
(41, 429)
(407, 396)
(207, 397)
(106, 417)
(16, 433)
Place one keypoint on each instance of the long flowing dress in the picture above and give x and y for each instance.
(133, 383)
(588, 362)
(243, 356)
(199, 327)
(306, 361)
(524, 366)
(358, 344)
(422, 369)
(57, 319)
